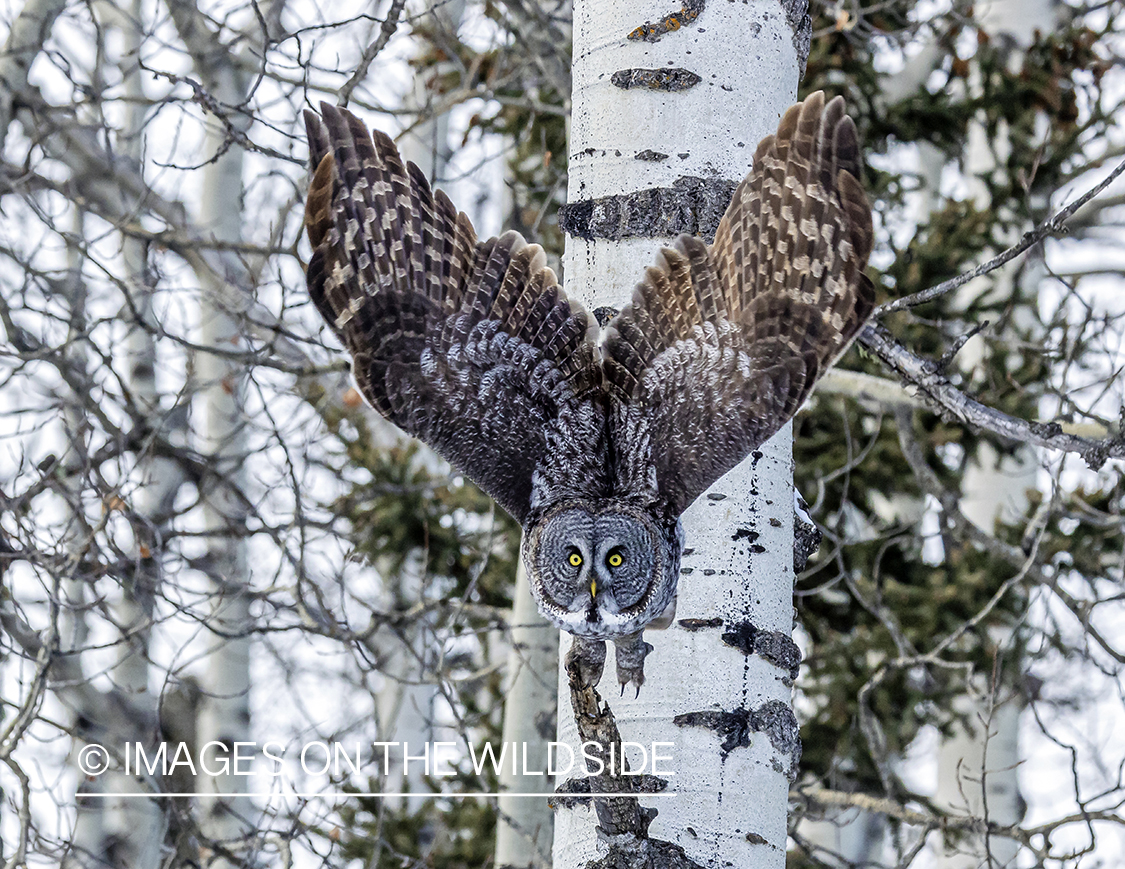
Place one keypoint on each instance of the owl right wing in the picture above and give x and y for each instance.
(721, 344)
(469, 346)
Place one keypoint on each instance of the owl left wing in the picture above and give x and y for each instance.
(469, 346)
(721, 344)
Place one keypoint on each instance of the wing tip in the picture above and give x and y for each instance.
(317, 137)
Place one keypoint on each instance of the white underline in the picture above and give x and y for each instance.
(382, 794)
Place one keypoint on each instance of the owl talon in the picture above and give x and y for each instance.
(587, 658)
(631, 653)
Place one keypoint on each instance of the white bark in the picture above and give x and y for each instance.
(525, 825)
(90, 838)
(138, 824)
(129, 830)
(26, 38)
(731, 807)
(105, 828)
(977, 776)
(404, 708)
(524, 828)
(427, 142)
(845, 837)
(978, 765)
(224, 714)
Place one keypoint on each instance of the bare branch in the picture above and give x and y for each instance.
(937, 392)
(825, 798)
(390, 25)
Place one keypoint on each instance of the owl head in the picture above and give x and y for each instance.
(603, 570)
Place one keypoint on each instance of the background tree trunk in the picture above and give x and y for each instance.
(224, 714)
(979, 763)
(524, 825)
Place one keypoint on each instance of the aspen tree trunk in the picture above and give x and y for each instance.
(28, 33)
(106, 829)
(725, 709)
(138, 825)
(427, 142)
(224, 713)
(90, 839)
(25, 39)
(978, 763)
(523, 830)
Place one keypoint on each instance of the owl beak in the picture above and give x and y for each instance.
(593, 588)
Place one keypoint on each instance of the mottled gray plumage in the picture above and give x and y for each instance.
(596, 449)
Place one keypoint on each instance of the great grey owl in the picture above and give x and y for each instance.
(594, 440)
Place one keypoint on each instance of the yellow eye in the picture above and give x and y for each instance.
(614, 559)
(574, 559)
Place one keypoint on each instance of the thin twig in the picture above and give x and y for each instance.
(1050, 226)
(390, 25)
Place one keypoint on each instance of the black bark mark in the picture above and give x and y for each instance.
(806, 536)
(700, 624)
(691, 205)
(650, 32)
(622, 822)
(655, 855)
(776, 647)
(604, 314)
(675, 79)
(797, 14)
(773, 718)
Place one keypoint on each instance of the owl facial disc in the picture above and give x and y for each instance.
(602, 572)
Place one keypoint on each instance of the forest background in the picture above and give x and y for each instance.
(203, 531)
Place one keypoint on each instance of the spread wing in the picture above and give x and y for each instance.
(470, 346)
(721, 344)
